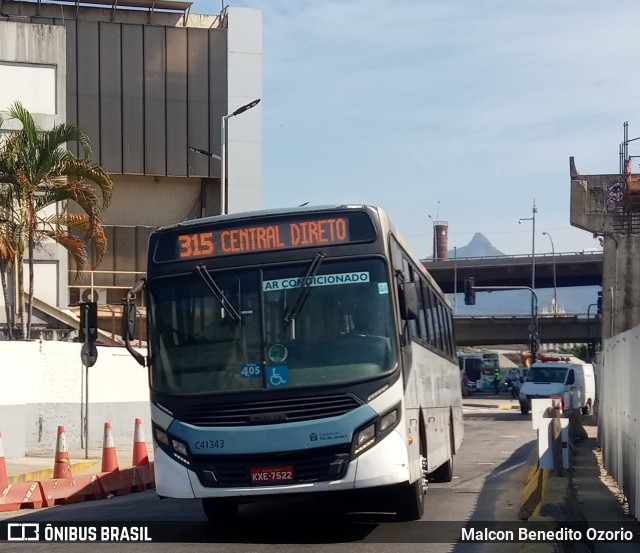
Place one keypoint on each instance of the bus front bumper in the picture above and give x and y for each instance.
(385, 464)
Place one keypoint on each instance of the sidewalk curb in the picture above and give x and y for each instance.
(46, 474)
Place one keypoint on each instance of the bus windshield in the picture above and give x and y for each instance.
(255, 328)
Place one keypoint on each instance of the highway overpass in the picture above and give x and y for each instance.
(504, 329)
(572, 269)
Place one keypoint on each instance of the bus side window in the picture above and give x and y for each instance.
(450, 342)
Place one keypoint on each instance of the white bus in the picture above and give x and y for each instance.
(298, 351)
(480, 368)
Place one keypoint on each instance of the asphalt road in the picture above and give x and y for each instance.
(489, 471)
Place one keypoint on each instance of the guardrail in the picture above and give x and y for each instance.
(512, 256)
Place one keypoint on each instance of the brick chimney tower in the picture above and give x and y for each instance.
(440, 240)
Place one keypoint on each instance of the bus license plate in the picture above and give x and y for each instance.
(267, 475)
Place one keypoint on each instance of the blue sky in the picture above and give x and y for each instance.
(459, 110)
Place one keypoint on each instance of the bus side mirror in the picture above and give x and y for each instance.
(129, 320)
(408, 296)
(571, 378)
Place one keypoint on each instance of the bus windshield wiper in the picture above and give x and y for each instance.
(293, 311)
(219, 295)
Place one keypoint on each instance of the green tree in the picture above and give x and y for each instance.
(37, 172)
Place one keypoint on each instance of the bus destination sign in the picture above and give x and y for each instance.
(275, 235)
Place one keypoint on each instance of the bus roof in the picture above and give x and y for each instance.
(247, 215)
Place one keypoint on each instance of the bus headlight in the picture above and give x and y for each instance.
(364, 439)
(180, 451)
(389, 420)
(375, 431)
(171, 446)
(179, 448)
(161, 436)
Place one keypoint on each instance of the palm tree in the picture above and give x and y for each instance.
(37, 171)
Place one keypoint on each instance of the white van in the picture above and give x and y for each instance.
(571, 381)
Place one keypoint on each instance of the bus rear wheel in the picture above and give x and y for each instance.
(443, 473)
(220, 510)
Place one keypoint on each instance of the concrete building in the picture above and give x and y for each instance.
(609, 206)
(603, 205)
(146, 80)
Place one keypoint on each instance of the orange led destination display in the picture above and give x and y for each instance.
(256, 238)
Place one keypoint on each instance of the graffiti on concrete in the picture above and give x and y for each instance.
(615, 196)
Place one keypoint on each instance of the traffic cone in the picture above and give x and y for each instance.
(109, 456)
(4, 479)
(61, 466)
(140, 455)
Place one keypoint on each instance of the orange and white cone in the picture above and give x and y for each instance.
(4, 479)
(109, 456)
(140, 455)
(61, 466)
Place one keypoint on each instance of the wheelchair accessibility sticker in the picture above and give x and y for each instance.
(277, 375)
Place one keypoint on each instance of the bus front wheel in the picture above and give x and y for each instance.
(410, 497)
(220, 510)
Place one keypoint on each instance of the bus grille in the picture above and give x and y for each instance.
(272, 411)
(308, 466)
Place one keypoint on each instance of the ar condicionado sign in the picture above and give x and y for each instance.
(263, 237)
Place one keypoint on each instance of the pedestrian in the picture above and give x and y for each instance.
(496, 379)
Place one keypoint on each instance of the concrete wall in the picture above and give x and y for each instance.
(33, 70)
(42, 386)
(244, 132)
(619, 412)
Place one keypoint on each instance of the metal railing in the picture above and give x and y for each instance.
(513, 256)
(94, 288)
(109, 310)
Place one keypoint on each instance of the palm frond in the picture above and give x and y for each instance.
(29, 128)
(81, 169)
(74, 245)
(63, 133)
(79, 192)
(76, 221)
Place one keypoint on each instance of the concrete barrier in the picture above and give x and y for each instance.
(548, 494)
(532, 494)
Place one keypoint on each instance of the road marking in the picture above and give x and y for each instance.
(509, 469)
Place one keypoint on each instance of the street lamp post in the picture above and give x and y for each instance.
(223, 153)
(455, 280)
(204, 152)
(534, 318)
(203, 188)
(555, 283)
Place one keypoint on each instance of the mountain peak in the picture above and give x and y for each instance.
(479, 246)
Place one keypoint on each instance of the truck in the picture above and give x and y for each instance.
(564, 379)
